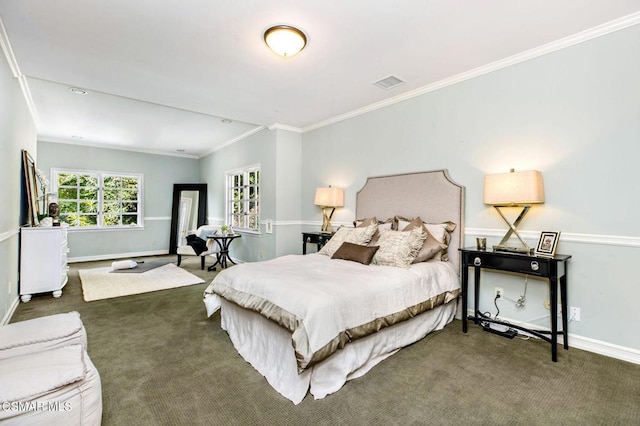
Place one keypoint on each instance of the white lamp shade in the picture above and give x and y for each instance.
(284, 40)
(514, 188)
(329, 197)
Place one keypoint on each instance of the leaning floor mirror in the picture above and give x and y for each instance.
(189, 211)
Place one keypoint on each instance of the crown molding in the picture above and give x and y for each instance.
(279, 126)
(15, 70)
(234, 140)
(8, 51)
(601, 30)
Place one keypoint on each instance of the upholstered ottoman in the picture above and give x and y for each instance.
(46, 375)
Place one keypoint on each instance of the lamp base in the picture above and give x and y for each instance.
(508, 249)
(502, 245)
(327, 213)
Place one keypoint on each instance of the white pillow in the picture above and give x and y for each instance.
(445, 229)
(123, 264)
(399, 248)
(360, 236)
(437, 230)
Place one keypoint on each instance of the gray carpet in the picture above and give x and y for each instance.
(163, 362)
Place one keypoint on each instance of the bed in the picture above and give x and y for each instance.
(310, 323)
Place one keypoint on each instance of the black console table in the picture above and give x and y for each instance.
(552, 268)
(319, 238)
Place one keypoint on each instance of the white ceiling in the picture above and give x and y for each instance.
(162, 74)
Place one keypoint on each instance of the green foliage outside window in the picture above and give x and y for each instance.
(98, 199)
(244, 199)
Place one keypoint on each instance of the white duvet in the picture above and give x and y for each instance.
(323, 298)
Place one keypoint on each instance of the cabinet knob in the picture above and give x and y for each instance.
(535, 266)
(477, 261)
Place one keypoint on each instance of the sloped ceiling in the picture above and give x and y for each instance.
(187, 77)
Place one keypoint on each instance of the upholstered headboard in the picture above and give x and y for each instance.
(431, 195)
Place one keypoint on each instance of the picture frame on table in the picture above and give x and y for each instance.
(547, 243)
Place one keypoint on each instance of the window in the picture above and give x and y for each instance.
(89, 199)
(243, 199)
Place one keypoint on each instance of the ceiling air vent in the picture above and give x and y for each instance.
(389, 82)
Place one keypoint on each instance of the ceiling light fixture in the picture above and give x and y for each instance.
(284, 40)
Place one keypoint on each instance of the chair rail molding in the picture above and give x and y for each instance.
(568, 237)
(8, 234)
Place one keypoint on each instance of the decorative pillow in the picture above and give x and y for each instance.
(399, 248)
(442, 232)
(123, 264)
(387, 224)
(359, 236)
(361, 223)
(400, 222)
(206, 234)
(431, 248)
(356, 253)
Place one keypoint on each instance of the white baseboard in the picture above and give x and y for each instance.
(12, 309)
(587, 344)
(117, 256)
(603, 348)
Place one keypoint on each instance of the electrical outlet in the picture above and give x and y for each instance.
(10, 288)
(498, 291)
(574, 313)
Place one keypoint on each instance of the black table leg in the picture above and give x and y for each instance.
(465, 295)
(476, 294)
(553, 299)
(565, 307)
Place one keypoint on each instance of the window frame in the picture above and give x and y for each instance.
(101, 176)
(246, 201)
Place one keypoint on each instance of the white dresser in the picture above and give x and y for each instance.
(43, 260)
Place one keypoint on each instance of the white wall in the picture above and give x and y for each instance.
(17, 132)
(279, 154)
(159, 172)
(259, 148)
(574, 115)
(288, 192)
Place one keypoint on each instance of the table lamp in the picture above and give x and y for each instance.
(513, 189)
(328, 198)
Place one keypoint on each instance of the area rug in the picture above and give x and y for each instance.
(99, 284)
